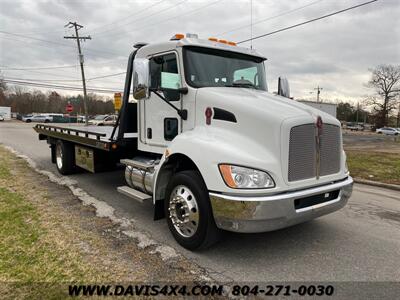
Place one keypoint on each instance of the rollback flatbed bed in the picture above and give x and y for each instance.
(99, 137)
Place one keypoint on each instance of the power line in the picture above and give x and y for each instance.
(127, 17)
(173, 17)
(101, 33)
(46, 73)
(55, 83)
(270, 18)
(58, 86)
(69, 80)
(51, 42)
(306, 22)
(105, 76)
(37, 68)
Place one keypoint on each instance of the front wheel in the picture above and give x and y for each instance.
(188, 210)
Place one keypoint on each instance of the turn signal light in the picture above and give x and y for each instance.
(226, 173)
(232, 43)
(223, 41)
(213, 39)
(177, 37)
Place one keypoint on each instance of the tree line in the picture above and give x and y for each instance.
(25, 102)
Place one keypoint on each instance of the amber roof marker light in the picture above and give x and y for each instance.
(177, 37)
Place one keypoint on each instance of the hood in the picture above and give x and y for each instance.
(260, 131)
(259, 104)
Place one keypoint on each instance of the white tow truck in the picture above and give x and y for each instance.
(205, 141)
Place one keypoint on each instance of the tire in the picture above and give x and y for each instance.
(65, 158)
(28, 121)
(198, 230)
(46, 121)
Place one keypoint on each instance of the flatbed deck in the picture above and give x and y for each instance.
(94, 136)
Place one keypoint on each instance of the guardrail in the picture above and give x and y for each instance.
(71, 130)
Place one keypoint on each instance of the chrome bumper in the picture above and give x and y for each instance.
(267, 213)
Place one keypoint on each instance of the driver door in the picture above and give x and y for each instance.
(162, 122)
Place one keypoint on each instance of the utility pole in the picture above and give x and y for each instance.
(398, 117)
(78, 41)
(318, 92)
(358, 108)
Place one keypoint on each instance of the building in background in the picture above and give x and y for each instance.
(329, 108)
(5, 111)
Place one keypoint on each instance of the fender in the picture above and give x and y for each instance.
(209, 146)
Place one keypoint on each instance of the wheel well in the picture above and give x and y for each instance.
(176, 163)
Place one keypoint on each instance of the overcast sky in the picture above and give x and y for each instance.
(334, 53)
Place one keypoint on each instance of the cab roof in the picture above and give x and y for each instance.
(173, 44)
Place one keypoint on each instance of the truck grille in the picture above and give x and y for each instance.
(304, 152)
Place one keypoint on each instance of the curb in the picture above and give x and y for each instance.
(395, 187)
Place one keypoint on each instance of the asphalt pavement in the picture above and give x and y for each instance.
(361, 242)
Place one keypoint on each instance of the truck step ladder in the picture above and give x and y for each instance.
(134, 194)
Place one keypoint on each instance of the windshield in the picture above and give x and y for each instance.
(100, 117)
(205, 67)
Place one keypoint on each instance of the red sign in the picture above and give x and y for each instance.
(69, 108)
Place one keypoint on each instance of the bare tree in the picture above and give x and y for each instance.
(3, 88)
(385, 80)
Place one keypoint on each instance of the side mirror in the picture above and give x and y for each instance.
(283, 87)
(140, 78)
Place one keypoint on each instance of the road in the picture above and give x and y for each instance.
(361, 242)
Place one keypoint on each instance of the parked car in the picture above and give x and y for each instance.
(354, 127)
(80, 119)
(102, 120)
(1, 118)
(37, 118)
(387, 131)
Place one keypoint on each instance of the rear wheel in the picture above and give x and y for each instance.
(65, 158)
(188, 211)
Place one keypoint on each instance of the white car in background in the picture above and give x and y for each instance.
(102, 120)
(37, 118)
(387, 131)
(1, 118)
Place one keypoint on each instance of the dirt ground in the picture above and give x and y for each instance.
(371, 142)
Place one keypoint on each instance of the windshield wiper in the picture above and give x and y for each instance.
(241, 84)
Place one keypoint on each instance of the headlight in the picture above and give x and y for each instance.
(245, 178)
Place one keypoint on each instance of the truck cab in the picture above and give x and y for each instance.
(217, 151)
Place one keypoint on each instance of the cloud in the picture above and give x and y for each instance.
(334, 53)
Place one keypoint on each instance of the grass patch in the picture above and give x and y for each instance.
(4, 172)
(30, 254)
(382, 167)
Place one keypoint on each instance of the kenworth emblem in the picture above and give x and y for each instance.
(319, 125)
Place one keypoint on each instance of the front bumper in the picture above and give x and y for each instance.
(267, 213)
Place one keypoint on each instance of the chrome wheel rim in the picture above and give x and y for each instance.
(184, 211)
(59, 156)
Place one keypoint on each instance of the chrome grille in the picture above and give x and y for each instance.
(303, 151)
(330, 150)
